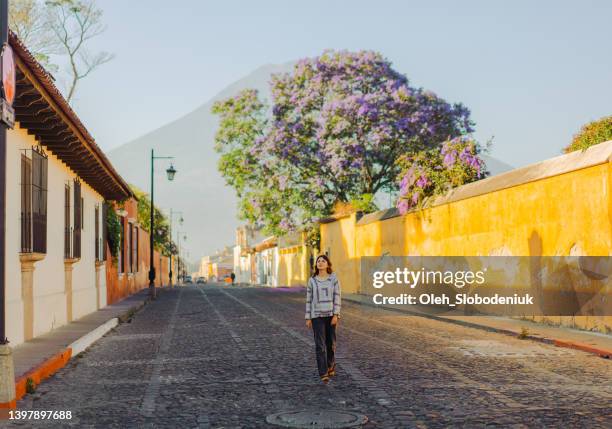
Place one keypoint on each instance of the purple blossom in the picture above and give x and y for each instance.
(422, 182)
(285, 224)
(450, 158)
(402, 206)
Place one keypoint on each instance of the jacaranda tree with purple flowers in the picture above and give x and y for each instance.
(434, 172)
(338, 124)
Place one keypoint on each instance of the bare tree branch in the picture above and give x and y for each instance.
(74, 23)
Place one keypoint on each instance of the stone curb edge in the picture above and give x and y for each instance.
(606, 354)
(53, 364)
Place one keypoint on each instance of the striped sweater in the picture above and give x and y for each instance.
(322, 297)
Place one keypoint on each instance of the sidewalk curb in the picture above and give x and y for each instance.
(87, 340)
(50, 366)
(606, 354)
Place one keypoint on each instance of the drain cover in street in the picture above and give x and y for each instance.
(317, 419)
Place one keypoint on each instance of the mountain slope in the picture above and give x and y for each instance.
(199, 191)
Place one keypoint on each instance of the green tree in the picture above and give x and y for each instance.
(29, 19)
(434, 172)
(162, 241)
(113, 229)
(591, 134)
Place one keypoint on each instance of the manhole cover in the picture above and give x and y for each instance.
(317, 419)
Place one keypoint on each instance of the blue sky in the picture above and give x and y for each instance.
(530, 71)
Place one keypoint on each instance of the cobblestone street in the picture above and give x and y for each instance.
(227, 357)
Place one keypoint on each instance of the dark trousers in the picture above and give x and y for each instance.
(325, 343)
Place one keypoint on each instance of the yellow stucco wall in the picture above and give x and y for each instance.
(293, 267)
(568, 213)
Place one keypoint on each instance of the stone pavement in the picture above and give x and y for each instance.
(33, 353)
(228, 357)
(591, 342)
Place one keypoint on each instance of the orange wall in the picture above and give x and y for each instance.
(120, 285)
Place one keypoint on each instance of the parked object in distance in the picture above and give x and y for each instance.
(187, 279)
(201, 280)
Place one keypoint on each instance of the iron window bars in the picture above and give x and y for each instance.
(34, 201)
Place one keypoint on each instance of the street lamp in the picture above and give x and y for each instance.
(172, 213)
(170, 172)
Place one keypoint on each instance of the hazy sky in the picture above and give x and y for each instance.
(530, 71)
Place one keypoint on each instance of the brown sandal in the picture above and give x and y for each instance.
(332, 371)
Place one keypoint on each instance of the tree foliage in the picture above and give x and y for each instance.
(435, 171)
(60, 28)
(113, 230)
(29, 19)
(162, 240)
(591, 134)
(336, 127)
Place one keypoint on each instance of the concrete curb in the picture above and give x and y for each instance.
(50, 366)
(604, 353)
(87, 340)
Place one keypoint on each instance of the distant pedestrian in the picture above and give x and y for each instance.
(322, 314)
(233, 277)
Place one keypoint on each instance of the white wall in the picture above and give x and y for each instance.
(49, 275)
(267, 266)
(14, 305)
(84, 271)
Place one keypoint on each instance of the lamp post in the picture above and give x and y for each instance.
(170, 172)
(172, 213)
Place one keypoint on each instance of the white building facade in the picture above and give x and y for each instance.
(57, 184)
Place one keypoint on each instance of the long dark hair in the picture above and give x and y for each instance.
(329, 265)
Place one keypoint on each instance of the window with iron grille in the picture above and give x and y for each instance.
(97, 232)
(122, 250)
(130, 246)
(26, 204)
(136, 248)
(34, 202)
(76, 232)
(134, 244)
(67, 228)
(82, 213)
(104, 231)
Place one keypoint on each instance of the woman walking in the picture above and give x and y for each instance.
(322, 314)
